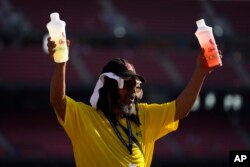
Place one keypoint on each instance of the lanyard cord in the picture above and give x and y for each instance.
(133, 138)
(129, 134)
(129, 145)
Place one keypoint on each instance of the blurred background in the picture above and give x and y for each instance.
(158, 38)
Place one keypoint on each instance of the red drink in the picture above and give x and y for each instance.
(207, 42)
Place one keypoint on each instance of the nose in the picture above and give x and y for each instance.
(133, 89)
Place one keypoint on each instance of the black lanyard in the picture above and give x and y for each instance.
(130, 136)
(133, 138)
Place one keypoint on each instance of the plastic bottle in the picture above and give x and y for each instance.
(207, 42)
(56, 28)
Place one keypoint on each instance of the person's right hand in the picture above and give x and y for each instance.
(51, 47)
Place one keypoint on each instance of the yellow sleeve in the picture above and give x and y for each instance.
(159, 120)
(71, 115)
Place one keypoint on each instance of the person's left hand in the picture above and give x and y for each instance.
(202, 64)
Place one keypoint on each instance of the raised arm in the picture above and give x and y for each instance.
(186, 99)
(58, 85)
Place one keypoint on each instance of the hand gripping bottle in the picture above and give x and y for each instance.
(56, 28)
(207, 42)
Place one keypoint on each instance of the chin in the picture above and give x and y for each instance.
(129, 108)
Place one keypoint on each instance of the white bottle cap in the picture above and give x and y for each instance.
(54, 16)
(200, 23)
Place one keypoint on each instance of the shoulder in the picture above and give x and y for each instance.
(72, 104)
(145, 106)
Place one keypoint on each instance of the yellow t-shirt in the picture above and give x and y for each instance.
(96, 144)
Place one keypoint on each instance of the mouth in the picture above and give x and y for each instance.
(131, 99)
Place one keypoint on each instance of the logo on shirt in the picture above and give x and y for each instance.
(139, 133)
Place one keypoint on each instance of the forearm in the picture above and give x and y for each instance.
(58, 89)
(186, 99)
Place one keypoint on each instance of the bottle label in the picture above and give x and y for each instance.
(63, 39)
(211, 54)
(212, 47)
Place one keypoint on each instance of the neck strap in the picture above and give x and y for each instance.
(128, 131)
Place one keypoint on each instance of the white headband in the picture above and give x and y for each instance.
(95, 95)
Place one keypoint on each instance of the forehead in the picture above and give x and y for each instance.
(133, 79)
